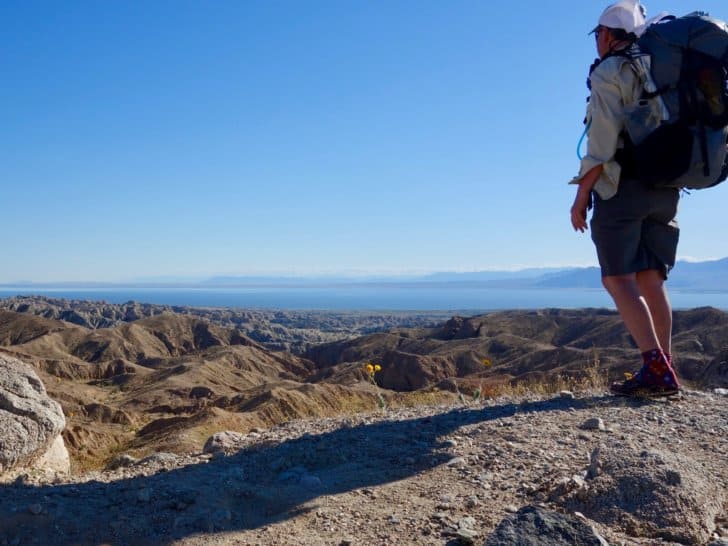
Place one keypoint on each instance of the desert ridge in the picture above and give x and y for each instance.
(159, 378)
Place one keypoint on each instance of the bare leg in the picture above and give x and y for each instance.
(633, 309)
(652, 288)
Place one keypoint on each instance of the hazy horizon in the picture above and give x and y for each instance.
(323, 277)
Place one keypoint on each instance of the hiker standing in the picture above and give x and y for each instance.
(633, 225)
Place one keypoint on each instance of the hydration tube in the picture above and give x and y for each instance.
(581, 140)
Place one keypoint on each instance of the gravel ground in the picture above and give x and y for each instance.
(637, 471)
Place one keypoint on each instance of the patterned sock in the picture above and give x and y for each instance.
(657, 370)
(654, 354)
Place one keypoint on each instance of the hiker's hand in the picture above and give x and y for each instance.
(583, 194)
(578, 211)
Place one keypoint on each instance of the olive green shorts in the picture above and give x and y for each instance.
(636, 230)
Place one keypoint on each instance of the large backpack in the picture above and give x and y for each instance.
(688, 147)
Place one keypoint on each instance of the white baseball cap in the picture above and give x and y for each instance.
(628, 15)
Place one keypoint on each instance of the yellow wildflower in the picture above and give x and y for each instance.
(370, 369)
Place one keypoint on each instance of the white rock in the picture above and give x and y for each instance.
(457, 462)
(224, 442)
(56, 460)
(30, 422)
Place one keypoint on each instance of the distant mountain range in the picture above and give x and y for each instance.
(706, 276)
(697, 276)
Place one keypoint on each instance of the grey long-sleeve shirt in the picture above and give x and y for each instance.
(616, 86)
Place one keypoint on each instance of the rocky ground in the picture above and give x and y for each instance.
(633, 472)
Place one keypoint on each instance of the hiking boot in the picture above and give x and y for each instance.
(655, 378)
(633, 385)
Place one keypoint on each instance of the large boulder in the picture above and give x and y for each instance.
(30, 422)
(654, 494)
(534, 526)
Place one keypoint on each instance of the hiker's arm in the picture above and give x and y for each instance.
(607, 122)
(581, 201)
(610, 90)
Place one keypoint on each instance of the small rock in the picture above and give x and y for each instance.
(22, 480)
(278, 464)
(466, 536)
(222, 515)
(162, 458)
(310, 482)
(224, 442)
(186, 496)
(144, 495)
(122, 461)
(457, 462)
(236, 473)
(566, 395)
(595, 423)
(472, 501)
(467, 523)
(289, 476)
(595, 465)
(721, 392)
(180, 521)
(35, 509)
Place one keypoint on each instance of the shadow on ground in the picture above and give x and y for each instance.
(259, 485)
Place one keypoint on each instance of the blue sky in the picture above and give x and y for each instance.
(179, 138)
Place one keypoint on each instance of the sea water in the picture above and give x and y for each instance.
(366, 297)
